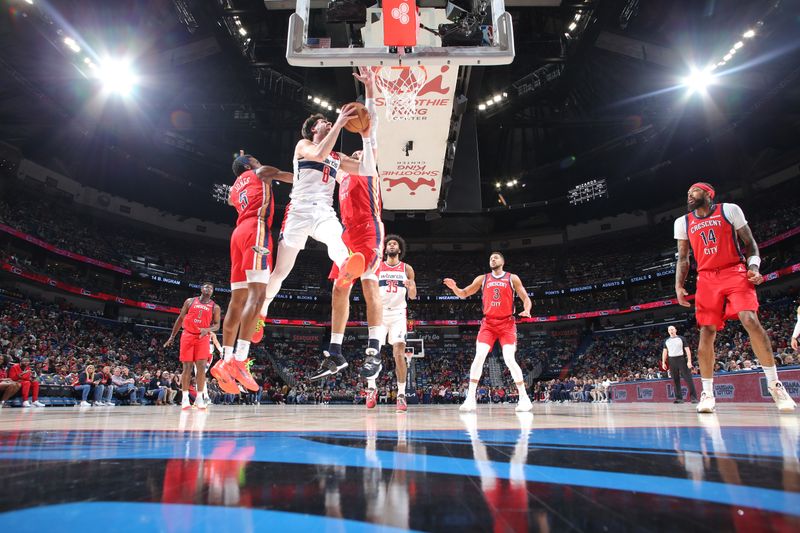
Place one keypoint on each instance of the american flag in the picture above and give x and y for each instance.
(319, 42)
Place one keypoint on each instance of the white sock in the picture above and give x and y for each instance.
(337, 338)
(521, 390)
(227, 353)
(473, 388)
(401, 388)
(708, 386)
(772, 374)
(242, 350)
(371, 383)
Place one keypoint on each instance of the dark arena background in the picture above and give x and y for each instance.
(601, 147)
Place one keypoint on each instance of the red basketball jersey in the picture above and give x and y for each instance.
(199, 316)
(713, 240)
(498, 296)
(359, 199)
(252, 198)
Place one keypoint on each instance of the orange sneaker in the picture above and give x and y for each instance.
(239, 371)
(259, 334)
(352, 269)
(224, 379)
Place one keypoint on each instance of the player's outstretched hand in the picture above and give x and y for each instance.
(755, 277)
(682, 294)
(365, 75)
(348, 111)
(450, 284)
(169, 342)
(525, 314)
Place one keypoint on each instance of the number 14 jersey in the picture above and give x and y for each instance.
(713, 238)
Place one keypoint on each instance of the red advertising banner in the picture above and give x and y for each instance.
(778, 238)
(746, 386)
(66, 253)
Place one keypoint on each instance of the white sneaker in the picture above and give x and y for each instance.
(26, 403)
(111, 404)
(524, 405)
(707, 403)
(468, 405)
(37, 403)
(782, 399)
(200, 403)
(185, 405)
(85, 404)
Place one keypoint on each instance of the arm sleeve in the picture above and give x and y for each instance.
(796, 331)
(369, 103)
(734, 215)
(680, 229)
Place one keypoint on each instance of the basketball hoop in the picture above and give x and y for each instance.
(400, 87)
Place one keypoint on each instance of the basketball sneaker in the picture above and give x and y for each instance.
(351, 270)
(224, 379)
(469, 405)
(708, 403)
(402, 406)
(200, 402)
(239, 371)
(372, 365)
(259, 334)
(372, 398)
(185, 405)
(781, 397)
(524, 405)
(330, 365)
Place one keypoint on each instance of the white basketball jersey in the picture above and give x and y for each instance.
(392, 282)
(314, 181)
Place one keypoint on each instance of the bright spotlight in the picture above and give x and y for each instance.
(71, 44)
(242, 32)
(489, 102)
(481, 107)
(738, 45)
(698, 80)
(727, 57)
(572, 26)
(497, 98)
(749, 34)
(117, 76)
(509, 184)
(316, 100)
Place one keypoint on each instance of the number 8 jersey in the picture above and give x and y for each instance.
(392, 283)
(713, 238)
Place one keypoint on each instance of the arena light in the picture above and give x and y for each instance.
(30, 2)
(242, 32)
(572, 26)
(117, 76)
(698, 80)
(497, 98)
(749, 34)
(71, 44)
(727, 57)
(316, 100)
(738, 45)
(481, 107)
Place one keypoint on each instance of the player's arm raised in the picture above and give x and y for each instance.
(178, 321)
(411, 284)
(681, 271)
(319, 152)
(467, 291)
(216, 319)
(751, 251)
(523, 295)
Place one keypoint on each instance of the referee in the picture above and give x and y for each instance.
(680, 362)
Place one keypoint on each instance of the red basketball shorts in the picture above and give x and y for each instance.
(194, 347)
(366, 238)
(251, 253)
(722, 294)
(498, 329)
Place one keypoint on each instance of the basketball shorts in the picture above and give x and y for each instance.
(366, 238)
(396, 325)
(194, 347)
(315, 220)
(251, 253)
(722, 294)
(498, 329)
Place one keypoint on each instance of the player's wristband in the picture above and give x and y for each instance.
(753, 260)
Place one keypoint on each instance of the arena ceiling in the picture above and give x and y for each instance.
(613, 108)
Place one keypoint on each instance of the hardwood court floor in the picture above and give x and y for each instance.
(587, 467)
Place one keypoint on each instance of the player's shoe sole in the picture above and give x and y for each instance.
(402, 405)
(330, 365)
(372, 398)
(238, 370)
(352, 269)
(371, 368)
(781, 398)
(224, 379)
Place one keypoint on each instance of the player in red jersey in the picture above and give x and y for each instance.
(360, 211)
(199, 317)
(498, 324)
(251, 261)
(725, 285)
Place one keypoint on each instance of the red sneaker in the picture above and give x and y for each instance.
(372, 398)
(402, 406)
(259, 334)
(224, 379)
(239, 371)
(352, 269)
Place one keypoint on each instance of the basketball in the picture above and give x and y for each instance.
(360, 122)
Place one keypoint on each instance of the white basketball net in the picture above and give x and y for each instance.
(400, 87)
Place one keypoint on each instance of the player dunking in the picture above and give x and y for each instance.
(725, 285)
(497, 324)
(360, 208)
(397, 285)
(251, 260)
(199, 318)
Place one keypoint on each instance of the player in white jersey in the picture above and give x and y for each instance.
(796, 332)
(397, 285)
